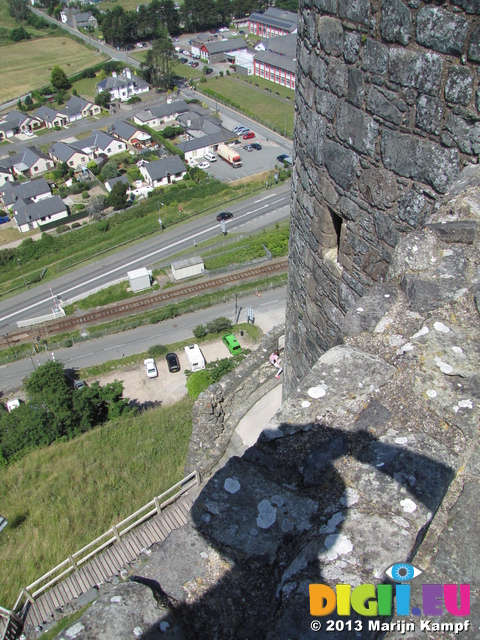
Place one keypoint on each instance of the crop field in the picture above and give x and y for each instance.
(28, 64)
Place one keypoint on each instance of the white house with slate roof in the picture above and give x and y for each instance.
(62, 152)
(16, 122)
(77, 108)
(157, 116)
(29, 162)
(35, 214)
(26, 192)
(163, 172)
(99, 142)
(130, 134)
(51, 117)
(123, 86)
(6, 174)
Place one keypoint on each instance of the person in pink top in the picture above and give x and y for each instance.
(276, 362)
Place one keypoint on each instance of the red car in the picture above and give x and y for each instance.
(249, 135)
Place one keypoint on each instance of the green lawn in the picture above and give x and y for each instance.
(60, 498)
(256, 100)
(8, 23)
(28, 64)
(86, 87)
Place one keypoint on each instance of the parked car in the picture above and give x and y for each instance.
(183, 60)
(28, 133)
(211, 157)
(173, 362)
(144, 45)
(139, 45)
(256, 146)
(79, 384)
(204, 165)
(248, 147)
(4, 219)
(150, 368)
(208, 71)
(225, 215)
(284, 158)
(232, 343)
(240, 130)
(194, 64)
(249, 135)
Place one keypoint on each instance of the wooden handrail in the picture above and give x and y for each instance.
(115, 533)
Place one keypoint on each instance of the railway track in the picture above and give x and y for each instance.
(143, 303)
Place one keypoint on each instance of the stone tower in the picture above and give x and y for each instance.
(387, 113)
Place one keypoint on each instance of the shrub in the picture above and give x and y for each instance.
(198, 382)
(203, 80)
(219, 325)
(199, 332)
(134, 100)
(157, 350)
(75, 225)
(88, 73)
(85, 195)
(102, 226)
(62, 228)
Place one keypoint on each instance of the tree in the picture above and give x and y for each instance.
(96, 206)
(159, 61)
(19, 34)
(117, 198)
(103, 99)
(28, 101)
(59, 78)
(18, 9)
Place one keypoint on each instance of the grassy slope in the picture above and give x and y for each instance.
(60, 498)
(28, 64)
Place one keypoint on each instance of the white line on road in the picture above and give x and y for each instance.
(265, 198)
(132, 262)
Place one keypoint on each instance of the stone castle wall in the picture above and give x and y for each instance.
(387, 113)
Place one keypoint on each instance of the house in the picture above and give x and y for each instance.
(123, 86)
(164, 171)
(156, 116)
(277, 63)
(77, 108)
(223, 51)
(63, 152)
(78, 20)
(36, 214)
(6, 174)
(110, 183)
(273, 22)
(203, 134)
(16, 122)
(29, 162)
(51, 117)
(199, 40)
(26, 192)
(99, 142)
(130, 134)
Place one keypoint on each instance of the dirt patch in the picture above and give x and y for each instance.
(168, 388)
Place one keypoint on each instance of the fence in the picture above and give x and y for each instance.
(114, 534)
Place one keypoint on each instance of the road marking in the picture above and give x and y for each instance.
(132, 262)
(266, 198)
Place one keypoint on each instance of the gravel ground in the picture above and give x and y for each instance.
(168, 388)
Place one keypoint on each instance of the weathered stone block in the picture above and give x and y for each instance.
(423, 71)
(316, 137)
(327, 6)
(413, 253)
(330, 35)
(341, 163)
(355, 10)
(469, 6)
(356, 128)
(337, 77)
(441, 30)
(385, 229)
(429, 114)
(379, 187)
(396, 22)
(325, 103)
(352, 46)
(463, 133)
(375, 57)
(349, 209)
(385, 104)
(419, 159)
(474, 46)
(462, 231)
(412, 207)
(459, 85)
(356, 91)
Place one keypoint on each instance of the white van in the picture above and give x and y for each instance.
(195, 357)
(211, 157)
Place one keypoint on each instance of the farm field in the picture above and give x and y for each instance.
(28, 64)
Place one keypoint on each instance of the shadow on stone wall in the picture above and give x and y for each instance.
(284, 516)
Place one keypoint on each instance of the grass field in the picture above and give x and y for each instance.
(28, 64)
(86, 87)
(260, 103)
(60, 498)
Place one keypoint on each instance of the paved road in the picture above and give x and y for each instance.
(249, 216)
(269, 310)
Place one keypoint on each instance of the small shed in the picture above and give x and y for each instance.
(140, 279)
(187, 268)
